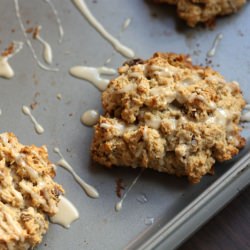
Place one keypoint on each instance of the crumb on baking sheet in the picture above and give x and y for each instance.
(29, 30)
(8, 51)
(119, 187)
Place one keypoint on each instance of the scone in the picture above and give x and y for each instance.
(28, 193)
(203, 11)
(169, 115)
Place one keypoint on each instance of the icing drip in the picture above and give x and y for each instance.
(117, 45)
(89, 190)
(90, 117)
(38, 128)
(58, 20)
(118, 205)
(216, 42)
(28, 42)
(93, 75)
(47, 51)
(67, 213)
(6, 70)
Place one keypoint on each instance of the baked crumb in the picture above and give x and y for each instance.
(119, 187)
(203, 11)
(34, 103)
(169, 115)
(29, 30)
(8, 51)
(28, 193)
(36, 32)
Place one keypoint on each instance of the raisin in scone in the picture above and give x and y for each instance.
(169, 115)
(203, 11)
(28, 193)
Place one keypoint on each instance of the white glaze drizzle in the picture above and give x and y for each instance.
(236, 83)
(90, 117)
(9, 226)
(93, 75)
(118, 205)
(47, 51)
(6, 70)
(154, 122)
(89, 190)
(108, 60)
(216, 42)
(59, 96)
(28, 42)
(117, 45)
(119, 127)
(67, 213)
(58, 20)
(126, 24)
(247, 107)
(245, 117)
(127, 88)
(21, 159)
(38, 127)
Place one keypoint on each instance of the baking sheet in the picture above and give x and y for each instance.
(152, 29)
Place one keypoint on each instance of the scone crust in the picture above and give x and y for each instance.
(169, 115)
(203, 11)
(28, 193)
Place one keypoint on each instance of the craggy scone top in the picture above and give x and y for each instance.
(167, 114)
(27, 193)
(203, 11)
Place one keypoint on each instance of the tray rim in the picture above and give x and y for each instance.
(194, 215)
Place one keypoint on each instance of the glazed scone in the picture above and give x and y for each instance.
(169, 115)
(28, 193)
(203, 11)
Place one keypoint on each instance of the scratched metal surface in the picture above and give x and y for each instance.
(152, 29)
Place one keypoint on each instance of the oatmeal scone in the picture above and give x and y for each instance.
(203, 11)
(28, 193)
(169, 115)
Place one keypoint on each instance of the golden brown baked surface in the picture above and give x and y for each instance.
(169, 115)
(203, 11)
(27, 193)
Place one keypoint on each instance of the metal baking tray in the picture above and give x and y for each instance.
(174, 207)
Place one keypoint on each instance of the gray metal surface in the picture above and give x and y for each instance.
(152, 29)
